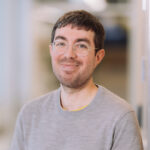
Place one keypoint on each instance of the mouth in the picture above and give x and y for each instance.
(69, 67)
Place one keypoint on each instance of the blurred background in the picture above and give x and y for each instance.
(25, 64)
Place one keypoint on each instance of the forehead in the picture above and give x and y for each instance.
(73, 33)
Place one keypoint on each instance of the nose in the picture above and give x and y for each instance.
(70, 53)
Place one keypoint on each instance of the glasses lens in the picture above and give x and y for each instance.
(80, 48)
(59, 46)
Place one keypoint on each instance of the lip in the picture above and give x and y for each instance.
(70, 67)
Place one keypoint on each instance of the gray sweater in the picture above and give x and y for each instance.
(107, 123)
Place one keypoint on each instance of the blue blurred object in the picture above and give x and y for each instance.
(115, 34)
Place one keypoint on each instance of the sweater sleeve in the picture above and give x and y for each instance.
(127, 133)
(18, 137)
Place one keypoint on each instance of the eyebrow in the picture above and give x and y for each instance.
(83, 40)
(78, 40)
(60, 37)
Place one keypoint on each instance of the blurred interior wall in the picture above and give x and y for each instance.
(15, 56)
(138, 66)
(147, 113)
(136, 54)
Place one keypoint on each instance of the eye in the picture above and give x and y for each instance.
(59, 44)
(82, 46)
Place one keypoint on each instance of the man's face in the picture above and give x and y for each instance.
(73, 70)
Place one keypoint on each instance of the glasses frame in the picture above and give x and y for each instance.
(73, 48)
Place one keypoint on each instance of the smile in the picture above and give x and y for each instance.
(69, 67)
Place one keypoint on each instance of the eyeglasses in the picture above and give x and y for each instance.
(80, 48)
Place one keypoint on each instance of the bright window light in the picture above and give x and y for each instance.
(97, 5)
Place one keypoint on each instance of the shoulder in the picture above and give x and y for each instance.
(114, 111)
(112, 104)
(114, 101)
(39, 104)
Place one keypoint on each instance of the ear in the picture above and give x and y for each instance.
(99, 56)
(50, 49)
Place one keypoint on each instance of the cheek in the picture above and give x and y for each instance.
(90, 62)
(54, 62)
(88, 67)
(54, 58)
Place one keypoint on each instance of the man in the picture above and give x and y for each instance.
(80, 115)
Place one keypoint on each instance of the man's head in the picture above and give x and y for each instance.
(74, 40)
(84, 20)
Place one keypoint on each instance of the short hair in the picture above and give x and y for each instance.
(83, 20)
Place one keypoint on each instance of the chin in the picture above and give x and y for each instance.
(74, 83)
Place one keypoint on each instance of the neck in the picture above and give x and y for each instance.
(72, 98)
